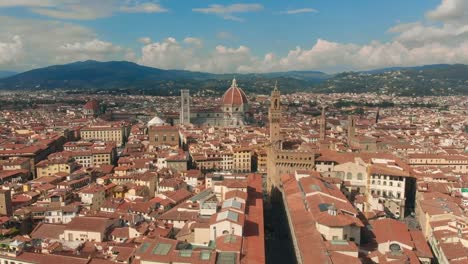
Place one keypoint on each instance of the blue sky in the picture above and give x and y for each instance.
(234, 36)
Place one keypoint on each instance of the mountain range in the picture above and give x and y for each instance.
(438, 79)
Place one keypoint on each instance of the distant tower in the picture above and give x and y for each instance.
(377, 115)
(274, 116)
(323, 124)
(351, 129)
(184, 118)
(5, 203)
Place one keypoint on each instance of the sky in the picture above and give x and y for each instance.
(225, 36)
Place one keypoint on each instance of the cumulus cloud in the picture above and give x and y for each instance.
(300, 11)
(144, 40)
(47, 42)
(193, 41)
(167, 54)
(10, 50)
(414, 43)
(228, 11)
(451, 11)
(88, 50)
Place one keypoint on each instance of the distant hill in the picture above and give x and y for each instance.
(93, 74)
(129, 75)
(417, 68)
(4, 74)
(438, 79)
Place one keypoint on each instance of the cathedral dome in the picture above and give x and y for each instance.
(234, 95)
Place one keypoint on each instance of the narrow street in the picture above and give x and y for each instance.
(279, 248)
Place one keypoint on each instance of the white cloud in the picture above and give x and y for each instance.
(299, 11)
(92, 46)
(47, 42)
(193, 41)
(228, 11)
(88, 50)
(450, 11)
(27, 3)
(78, 9)
(130, 55)
(144, 8)
(167, 54)
(83, 9)
(11, 50)
(415, 43)
(145, 40)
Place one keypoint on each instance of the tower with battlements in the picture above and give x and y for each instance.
(184, 118)
(274, 116)
(282, 161)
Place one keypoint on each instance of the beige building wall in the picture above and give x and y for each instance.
(242, 161)
(225, 227)
(114, 134)
(53, 169)
(71, 235)
(340, 233)
(355, 173)
(202, 236)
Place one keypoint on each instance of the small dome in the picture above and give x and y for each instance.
(92, 105)
(234, 95)
(156, 121)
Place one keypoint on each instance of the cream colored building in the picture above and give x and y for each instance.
(53, 166)
(458, 163)
(340, 232)
(87, 229)
(242, 160)
(227, 222)
(262, 159)
(90, 156)
(227, 162)
(105, 133)
(355, 173)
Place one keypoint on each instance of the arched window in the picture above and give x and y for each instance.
(359, 176)
(349, 175)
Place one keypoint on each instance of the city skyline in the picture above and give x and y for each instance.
(233, 36)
